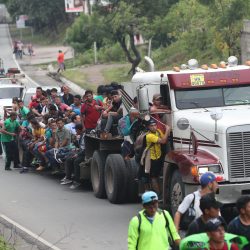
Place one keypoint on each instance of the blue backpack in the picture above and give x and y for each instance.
(125, 125)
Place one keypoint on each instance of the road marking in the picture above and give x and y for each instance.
(27, 231)
(16, 62)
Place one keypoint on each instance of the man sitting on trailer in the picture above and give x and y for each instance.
(72, 164)
(111, 115)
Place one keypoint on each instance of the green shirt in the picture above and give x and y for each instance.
(201, 241)
(152, 235)
(11, 127)
(24, 111)
(99, 98)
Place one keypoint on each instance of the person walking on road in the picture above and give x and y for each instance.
(208, 185)
(60, 61)
(9, 133)
(152, 228)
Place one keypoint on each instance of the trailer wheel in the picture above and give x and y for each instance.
(115, 178)
(97, 174)
(132, 184)
(177, 191)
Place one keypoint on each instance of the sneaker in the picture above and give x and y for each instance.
(66, 182)
(55, 172)
(40, 168)
(34, 163)
(75, 185)
(18, 166)
(63, 179)
(8, 169)
(24, 170)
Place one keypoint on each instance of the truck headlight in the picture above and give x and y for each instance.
(215, 168)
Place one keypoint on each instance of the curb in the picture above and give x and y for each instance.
(76, 88)
(25, 234)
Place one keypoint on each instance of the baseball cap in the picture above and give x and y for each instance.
(151, 122)
(148, 197)
(208, 201)
(207, 178)
(213, 224)
(157, 96)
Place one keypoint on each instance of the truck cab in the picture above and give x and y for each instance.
(210, 128)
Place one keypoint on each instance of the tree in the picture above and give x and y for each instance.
(42, 14)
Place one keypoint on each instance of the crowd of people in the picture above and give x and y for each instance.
(53, 125)
(154, 228)
(51, 129)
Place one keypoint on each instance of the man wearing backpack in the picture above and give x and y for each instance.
(152, 157)
(152, 228)
(210, 208)
(208, 184)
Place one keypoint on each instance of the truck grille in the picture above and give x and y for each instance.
(238, 143)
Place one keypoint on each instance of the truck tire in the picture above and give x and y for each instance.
(176, 192)
(132, 185)
(97, 174)
(115, 179)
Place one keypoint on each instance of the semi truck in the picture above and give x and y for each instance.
(210, 131)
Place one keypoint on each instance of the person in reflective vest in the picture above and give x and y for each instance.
(215, 238)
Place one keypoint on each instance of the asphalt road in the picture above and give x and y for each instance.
(72, 220)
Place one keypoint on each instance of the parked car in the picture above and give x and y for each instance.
(7, 92)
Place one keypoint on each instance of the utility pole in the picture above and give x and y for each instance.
(95, 53)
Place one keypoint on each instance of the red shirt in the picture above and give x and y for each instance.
(91, 114)
(33, 104)
(233, 247)
(60, 58)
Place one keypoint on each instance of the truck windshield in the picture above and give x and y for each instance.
(212, 97)
(9, 93)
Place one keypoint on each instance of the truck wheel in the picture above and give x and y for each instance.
(132, 184)
(97, 174)
(177, 191)
(115, 178)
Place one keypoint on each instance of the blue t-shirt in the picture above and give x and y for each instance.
(76, 109)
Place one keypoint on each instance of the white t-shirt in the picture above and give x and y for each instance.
(187, 202)
(71, 127)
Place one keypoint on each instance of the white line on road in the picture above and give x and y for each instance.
(27, 231)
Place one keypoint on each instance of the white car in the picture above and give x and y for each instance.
(32, 91)
(7, 92)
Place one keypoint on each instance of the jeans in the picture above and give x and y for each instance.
(73, 165)
(39, 156)
(107, 123)
(50, 154)
(12, 153)
(27, 156)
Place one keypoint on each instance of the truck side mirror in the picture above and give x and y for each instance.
(143, 100)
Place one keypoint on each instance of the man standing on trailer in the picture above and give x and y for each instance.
(153, 156)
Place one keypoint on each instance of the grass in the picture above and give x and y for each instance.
(119, 74)
(4, 245)
(77, 76)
